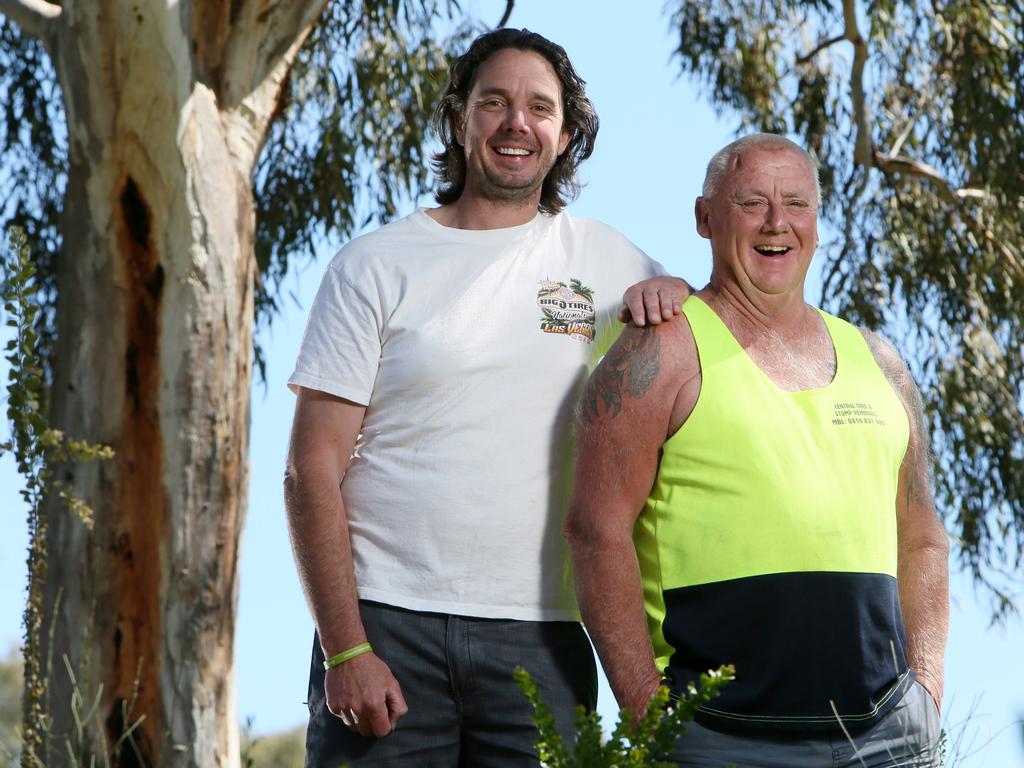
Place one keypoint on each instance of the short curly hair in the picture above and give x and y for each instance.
(561, 185)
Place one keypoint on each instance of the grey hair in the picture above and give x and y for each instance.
(723, 160)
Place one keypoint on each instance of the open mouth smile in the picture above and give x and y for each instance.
(513, 151)
(772, 250)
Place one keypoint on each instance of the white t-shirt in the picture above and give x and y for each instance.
(469, 349)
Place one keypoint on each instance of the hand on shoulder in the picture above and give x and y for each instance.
(653, 300)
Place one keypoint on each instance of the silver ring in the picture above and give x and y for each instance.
(355, 717)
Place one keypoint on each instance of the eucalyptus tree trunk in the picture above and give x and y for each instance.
(167, 107)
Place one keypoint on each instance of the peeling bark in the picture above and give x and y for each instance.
(155, 322)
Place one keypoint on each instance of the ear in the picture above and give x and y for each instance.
(459, 124)
(702, 213)
(563, 141)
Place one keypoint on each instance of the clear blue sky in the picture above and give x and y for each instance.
(656, 136)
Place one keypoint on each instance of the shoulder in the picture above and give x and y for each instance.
(592, 229)
(386, 246)
(885, 354)
(667, 352)
(641, 378)
(893, 366)
(601, 232)
(596, 240)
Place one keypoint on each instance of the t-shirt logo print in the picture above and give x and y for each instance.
(567, 309)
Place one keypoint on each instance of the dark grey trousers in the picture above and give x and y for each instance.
(905, 738)
(456, 675)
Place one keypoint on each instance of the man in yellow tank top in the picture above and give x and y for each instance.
(752, 487)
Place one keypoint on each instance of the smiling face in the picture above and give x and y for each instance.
(762, 222)
(512, 129)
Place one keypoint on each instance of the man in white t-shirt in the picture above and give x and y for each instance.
(431, 453)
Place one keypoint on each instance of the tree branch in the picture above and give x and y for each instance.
(910, 167)
(821, 47)
(864, 153)
(261, 35)
(34, 17)
(509, 4)
(864, 147)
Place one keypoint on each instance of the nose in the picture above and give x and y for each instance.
(775, 220)
(515, 120)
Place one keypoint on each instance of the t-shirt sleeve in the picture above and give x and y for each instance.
(341, 346)
(636, 266)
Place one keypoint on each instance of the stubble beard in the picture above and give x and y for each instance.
(493, 185)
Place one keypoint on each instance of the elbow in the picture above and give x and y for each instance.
(571, 529)
(292, 483)
(929, 546)
(935, 540)
(290, 475)
(942, 543)
(297, 484)
(592, 532)
(577, 531)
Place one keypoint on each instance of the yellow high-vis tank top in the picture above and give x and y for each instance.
(769, 539)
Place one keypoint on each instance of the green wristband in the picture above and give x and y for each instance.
(340, 658)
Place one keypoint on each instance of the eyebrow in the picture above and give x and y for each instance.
(762, 193)
(534, 96)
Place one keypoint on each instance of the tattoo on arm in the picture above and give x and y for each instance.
(631, 365)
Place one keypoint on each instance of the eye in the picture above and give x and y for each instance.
(542, 108)
(801, 207)
(753, 205)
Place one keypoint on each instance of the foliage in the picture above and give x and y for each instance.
(347, 140)
(37, 449)
(33, 162)
(286, 749)
(633, 743)
(85, 711)
(11, 684)
(349, 144)
(913, 111)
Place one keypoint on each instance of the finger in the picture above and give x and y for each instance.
(339, 712)
(633, 307)
(396, 706)
(364, 725)
(378, 723)
(652, 306)
(669, 306)
(624, 314)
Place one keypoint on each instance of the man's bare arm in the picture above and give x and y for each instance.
(923, 569)
(324, 433)
(624, 419)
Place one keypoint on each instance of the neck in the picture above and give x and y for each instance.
(475, 212)
(782, 335)
(780, 313)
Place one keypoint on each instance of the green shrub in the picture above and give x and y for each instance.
(634, 743)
